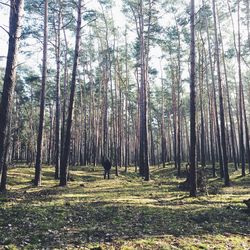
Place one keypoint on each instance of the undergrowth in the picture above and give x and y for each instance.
(124, 212)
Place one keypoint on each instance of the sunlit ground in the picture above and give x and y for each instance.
(124, 212)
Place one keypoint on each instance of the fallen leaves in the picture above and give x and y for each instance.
(123, 213)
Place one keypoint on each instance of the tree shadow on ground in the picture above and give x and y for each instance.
(124, 208)
(49, 226)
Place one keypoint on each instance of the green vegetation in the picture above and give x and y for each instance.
(122, 213)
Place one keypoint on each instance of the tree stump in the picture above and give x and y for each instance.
(201, 180)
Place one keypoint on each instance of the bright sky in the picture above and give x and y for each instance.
(118, 16)
(3, 35)
(35, 60)
(119, 19)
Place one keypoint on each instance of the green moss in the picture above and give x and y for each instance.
(125, 211)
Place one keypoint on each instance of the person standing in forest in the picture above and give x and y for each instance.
(107, 166)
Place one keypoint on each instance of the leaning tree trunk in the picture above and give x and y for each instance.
(16, 10)
(66, 148)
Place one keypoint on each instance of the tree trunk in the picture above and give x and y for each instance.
(228, 103)
(58, 96)
(38, 167)
(65, 156)
(202, 132)
(16, 11)
(7, 158)
(222, 117)
(144, 162)
(193, 188)
(215, 102)
(242, 151)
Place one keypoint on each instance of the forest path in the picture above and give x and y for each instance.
(124, 212)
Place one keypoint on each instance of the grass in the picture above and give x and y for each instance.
(121, 213)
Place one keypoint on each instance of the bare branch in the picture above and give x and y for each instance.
(5, 4)
(70, 21)
(5, 30)
(89, 23)
(246, 63)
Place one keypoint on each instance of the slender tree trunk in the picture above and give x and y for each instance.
(238, 52)
(187, 138)
(127, 135)
(179, 82)
(202, 133)
(144, 162)
(211, 128)
(174, 104)
(219, 154)
(228, 103)
(65, 96)
(163, 132)
(193, 188)
(50, 137)
(38, 166)
(16, 11)
(248, 22)
(222, 117)
(7, 158)
(65, 156)
(242, 151)
(58, 96)
(246, 132)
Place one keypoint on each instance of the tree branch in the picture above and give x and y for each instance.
(5, 30)
(89, 23)
(5, 4)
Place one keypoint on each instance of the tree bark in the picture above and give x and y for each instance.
(215, 102)
(193, 186)
(242, 151)
(65, 156)
(38, 166)
(222, 117)
(58, 95)
(16, 11)
(233, 141)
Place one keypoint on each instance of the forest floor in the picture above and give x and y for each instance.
(124, 212)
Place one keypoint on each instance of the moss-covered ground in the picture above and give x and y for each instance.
(124, 212)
